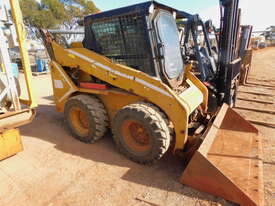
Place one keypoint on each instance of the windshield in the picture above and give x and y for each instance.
(169, 38)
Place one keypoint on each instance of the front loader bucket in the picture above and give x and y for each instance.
(228, 163)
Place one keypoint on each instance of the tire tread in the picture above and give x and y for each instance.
(97, 110)
(158, 122)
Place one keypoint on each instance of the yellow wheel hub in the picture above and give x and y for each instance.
(79, 120)
(136, 136)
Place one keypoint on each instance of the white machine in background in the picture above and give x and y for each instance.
(14, 111)
(9, 86)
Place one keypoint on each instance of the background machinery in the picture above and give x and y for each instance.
(214, 50)
(245, 52)
(14, 112)
(131, 74)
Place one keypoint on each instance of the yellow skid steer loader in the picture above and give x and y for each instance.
(129, 74)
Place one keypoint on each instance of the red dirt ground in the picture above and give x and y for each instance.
(262, 80)
(55, 169)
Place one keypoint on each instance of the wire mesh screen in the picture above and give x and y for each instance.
(124, 39)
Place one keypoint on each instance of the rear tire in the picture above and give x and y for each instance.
(86, 118)
(141, 132)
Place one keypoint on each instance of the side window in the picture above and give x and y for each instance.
(108, 37)
(124, 40)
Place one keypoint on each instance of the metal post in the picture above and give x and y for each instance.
(6, 64)
(21, 35)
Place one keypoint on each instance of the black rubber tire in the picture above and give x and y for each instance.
(96, 114)
(156, 125)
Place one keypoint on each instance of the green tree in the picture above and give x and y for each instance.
(54, 13)
(88, 7)
(56, 8)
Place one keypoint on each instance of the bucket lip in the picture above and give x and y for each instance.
(194, 177)
(221, 113)
(210, 133)
(227, 167)
(212, 129)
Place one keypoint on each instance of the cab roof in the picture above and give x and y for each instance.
(141, 9)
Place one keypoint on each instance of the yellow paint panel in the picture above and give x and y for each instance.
(76, 45)
(192, 97)
(10, 143)
(63, 87)
(192, 79)
(114, 102)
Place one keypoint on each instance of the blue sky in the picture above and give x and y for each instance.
(192, 6)
(255, 13)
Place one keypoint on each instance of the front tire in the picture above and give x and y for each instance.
(141, 132)
(86, 118)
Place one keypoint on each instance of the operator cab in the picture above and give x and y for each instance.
(144, 37)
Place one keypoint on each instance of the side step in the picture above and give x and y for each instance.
(229, 163)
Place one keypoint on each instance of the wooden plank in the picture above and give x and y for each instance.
(262, 123)
(256, 110)
(262, 85)
(256, 100)
(258, 93)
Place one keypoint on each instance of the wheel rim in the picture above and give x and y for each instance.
(136, 136)
(79, 120)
